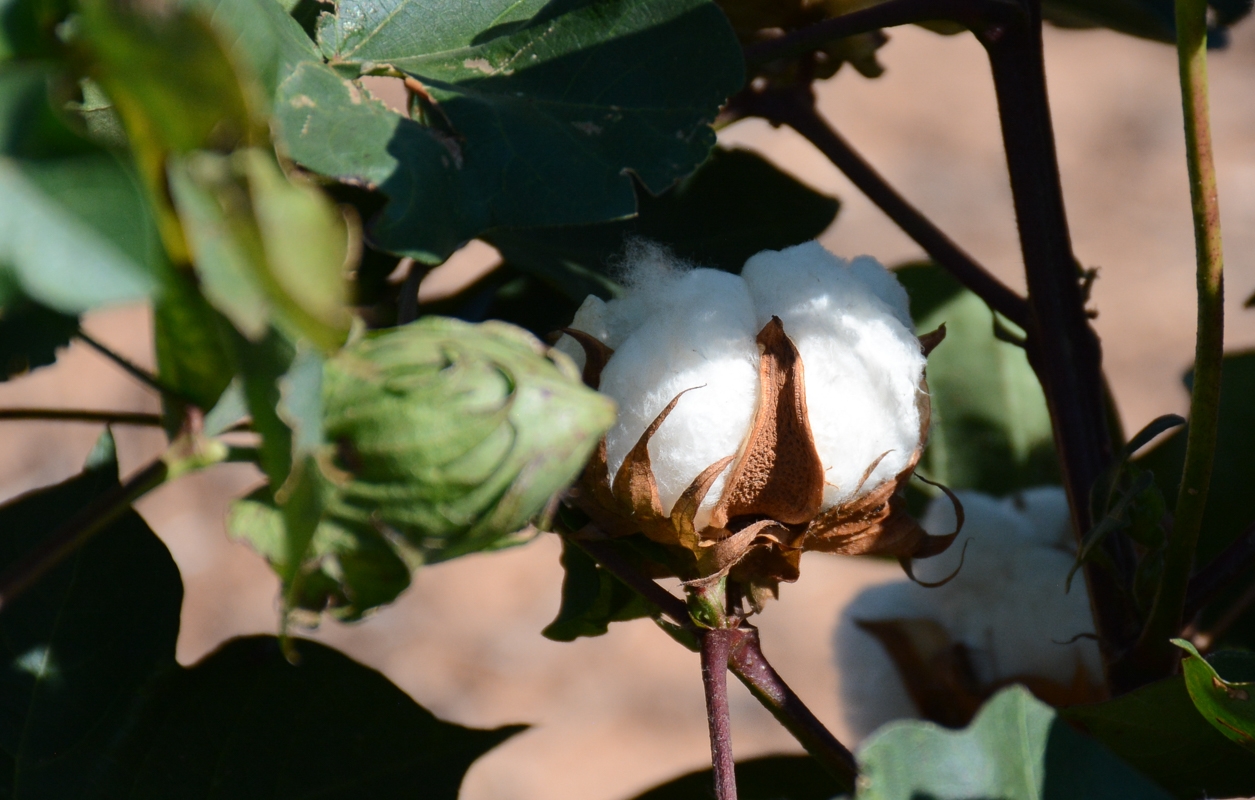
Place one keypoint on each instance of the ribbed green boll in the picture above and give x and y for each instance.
(449, 436)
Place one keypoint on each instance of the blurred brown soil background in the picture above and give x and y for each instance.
(614, 715)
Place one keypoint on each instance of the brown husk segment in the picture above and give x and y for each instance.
(768, 513)
(779, 475)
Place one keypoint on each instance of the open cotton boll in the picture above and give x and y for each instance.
(863, 363)
(1007, 604)
(678, 328)
(697, 334)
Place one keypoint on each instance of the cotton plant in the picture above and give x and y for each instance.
(760, 414)
(905, 651)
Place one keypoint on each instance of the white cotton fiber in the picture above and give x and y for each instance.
(677, 328)
(1007, 604)
(862, 361)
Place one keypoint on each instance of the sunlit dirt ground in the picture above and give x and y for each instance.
(614, 715)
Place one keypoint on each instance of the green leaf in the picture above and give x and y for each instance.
(735, 205)
(260, 35)
(1016, 748)
(534, 121)
(1230, 503)
(192, 343)
(592, 598)
(30, 334)
(268, 249)
(1224, 701)
(765, 778)
(94, 705)
(990, 425)
(169, 79)
(1157, 730)
(75, 228)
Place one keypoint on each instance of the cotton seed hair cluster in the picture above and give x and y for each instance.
(907, 651)
(760, 414)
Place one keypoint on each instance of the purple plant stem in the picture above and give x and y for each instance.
(715, 648)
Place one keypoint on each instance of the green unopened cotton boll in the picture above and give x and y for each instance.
(450, 436)
(1007, 605)
(680, 328)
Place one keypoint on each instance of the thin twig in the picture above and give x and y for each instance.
(138, 373)
(884, 15)
(92, 519)
(1154, 651)
(795, 107)
(749, 665)
(605, 555)
(76, 415)
(1234, 561)
(715, 648)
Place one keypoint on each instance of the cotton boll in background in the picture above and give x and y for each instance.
(862, 363)
(1007, 604)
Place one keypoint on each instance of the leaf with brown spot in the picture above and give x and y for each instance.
(929, 341)
(596, 354)
(779, 475)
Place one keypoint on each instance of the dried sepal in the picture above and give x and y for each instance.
(596, 354)
(779, 474)
(929, 341)
(685, 509)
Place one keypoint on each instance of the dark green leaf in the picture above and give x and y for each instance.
(1223, 700)
(30, 334)
(592, 598)
(28, 27)
(93, 704)
(192, 343)
(1230, 503)
(535, 121)
(1016, 748)
(83, 644)
(245, 723)
(1157, 730)
(765, 778)
(735, 205)
(990, 425)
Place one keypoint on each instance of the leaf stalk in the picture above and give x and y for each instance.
(1154, 653)
(135, 418)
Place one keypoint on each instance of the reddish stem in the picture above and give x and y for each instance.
(715, 648)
